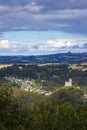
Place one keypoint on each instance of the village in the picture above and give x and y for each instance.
(27, 85)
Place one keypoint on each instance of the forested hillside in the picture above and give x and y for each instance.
(64, 109)
(48, 76)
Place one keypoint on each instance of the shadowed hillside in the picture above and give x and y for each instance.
(61, 57)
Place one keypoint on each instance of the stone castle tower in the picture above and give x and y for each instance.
(69, 83)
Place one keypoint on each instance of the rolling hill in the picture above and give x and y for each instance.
(53, 58)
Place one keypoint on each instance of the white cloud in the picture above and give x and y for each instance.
(61, 43)
(50, 46)
(4, 44)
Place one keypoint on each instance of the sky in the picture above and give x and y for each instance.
(38, 27)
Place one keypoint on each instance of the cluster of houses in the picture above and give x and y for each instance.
(27, 85)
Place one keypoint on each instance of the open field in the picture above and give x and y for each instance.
(5, 65)
(81, 66)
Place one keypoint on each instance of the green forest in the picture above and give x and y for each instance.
(48, 114)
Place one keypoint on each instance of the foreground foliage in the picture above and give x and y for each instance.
(53, 115)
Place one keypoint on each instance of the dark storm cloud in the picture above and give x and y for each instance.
(48, 4)
(62, 4)
(14, 2)
(66, 15)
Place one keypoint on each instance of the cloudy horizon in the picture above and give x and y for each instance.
(33, 27)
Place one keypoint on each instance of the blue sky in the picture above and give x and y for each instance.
(35, 27)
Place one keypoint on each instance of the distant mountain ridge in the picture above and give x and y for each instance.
(52, 58)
